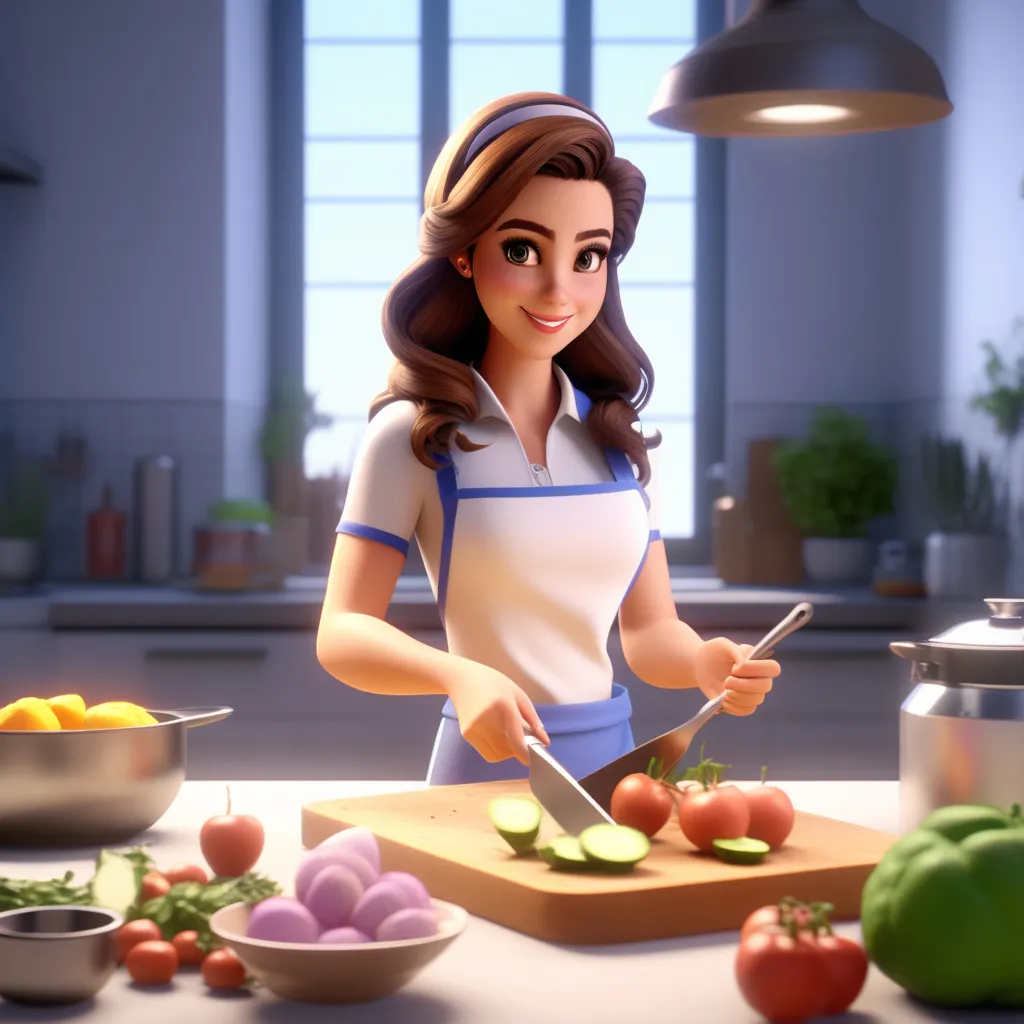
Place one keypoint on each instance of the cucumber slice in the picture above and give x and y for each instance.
(741, 851)
(614, 847)
(115, 885)
(517, 819)
(564, 853)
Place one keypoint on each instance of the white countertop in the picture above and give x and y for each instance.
(490, 975)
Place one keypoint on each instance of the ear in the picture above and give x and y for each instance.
(461, 262)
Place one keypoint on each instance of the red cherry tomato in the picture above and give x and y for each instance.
(771, 815)
(768, 918)
(719, 812)
(222, 969)
(189, 953)
(134, 932)
(153, 885)
(152, 963)
(187, 873)
(642, 803)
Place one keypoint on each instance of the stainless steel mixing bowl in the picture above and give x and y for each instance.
(51, 956)
(92, 787)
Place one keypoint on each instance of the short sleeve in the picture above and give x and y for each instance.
(653, 492)
(387, 483)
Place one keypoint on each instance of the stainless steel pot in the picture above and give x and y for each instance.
(93, 787)
(962, 726)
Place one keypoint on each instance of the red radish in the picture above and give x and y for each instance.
(231, 843)
(771, 814)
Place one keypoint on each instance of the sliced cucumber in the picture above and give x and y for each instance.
(564, 853)
(517, 819)
(115, 885)
(614, 847)
(741, 851)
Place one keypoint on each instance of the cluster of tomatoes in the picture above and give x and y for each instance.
(791, 967)
(708, 809)
(151, 960)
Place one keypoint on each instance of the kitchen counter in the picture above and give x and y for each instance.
(490, 975)
(703, 602)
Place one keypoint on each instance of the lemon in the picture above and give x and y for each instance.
(116, 714)
(28, 713)
(69, 709)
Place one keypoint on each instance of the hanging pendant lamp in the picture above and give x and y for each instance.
(801, 67)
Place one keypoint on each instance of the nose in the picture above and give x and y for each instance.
(555, 291)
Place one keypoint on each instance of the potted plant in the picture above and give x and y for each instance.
(833, 485)
(290, 420)
(23, 511)
(965, 555)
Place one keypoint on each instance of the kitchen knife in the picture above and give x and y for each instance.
(670, 746)
(559, 793)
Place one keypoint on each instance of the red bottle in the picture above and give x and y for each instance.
(106, 541)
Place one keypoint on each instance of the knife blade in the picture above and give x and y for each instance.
(671, 746)
(560, 794)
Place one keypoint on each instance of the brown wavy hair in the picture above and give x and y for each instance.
(433, 321)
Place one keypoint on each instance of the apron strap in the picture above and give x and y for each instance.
(448, 489)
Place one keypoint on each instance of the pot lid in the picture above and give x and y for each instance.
(1003, 628)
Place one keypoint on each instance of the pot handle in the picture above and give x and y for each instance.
(200, 716)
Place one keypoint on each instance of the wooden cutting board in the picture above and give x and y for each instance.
(443, 836)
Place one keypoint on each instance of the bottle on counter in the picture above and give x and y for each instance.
(106, 540)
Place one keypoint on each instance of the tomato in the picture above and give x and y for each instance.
(769, 917)
(134, 932)
(187, 873)
(153, 885)
(189, 954)
(719, 811)
(641, 802)
(782, 977)
(223, 969)
(152, 963)
(771, 815)
(846, 964)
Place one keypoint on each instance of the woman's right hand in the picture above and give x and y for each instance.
(491, 710)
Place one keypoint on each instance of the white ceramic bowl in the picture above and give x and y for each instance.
(326, 973)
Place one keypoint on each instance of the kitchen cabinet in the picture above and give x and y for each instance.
(291, 719)
(27, 662)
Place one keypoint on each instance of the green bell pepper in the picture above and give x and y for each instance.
(942, 914)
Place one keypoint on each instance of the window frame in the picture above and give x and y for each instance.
(286, 161)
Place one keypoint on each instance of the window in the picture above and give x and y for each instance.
(365, 165)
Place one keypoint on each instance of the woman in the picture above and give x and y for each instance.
(506, 443)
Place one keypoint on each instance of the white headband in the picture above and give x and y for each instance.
(502, 124)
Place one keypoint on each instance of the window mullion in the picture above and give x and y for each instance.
(577, 50)
(434, 84)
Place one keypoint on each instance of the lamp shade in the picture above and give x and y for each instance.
(801, 67)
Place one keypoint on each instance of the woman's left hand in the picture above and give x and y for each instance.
(720, 666)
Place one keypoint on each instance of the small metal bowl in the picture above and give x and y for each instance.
(53, 956)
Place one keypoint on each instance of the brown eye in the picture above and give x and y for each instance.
(589, 261)
(520, 251)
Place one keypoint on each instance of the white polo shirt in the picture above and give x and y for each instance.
(393, 497)
(529, 564)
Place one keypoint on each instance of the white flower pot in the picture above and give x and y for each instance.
(830, 560)
(968, 565)
(19, 559)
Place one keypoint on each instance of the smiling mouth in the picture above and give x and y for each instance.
(547, 325)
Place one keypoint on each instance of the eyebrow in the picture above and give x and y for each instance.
(532, 225)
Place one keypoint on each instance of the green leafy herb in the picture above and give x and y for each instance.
(18, 893)
(188, 906)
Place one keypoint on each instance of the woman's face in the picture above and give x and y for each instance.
(540, 270)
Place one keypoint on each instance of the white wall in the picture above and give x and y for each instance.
(133, 282)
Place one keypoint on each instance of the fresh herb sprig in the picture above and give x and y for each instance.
(188, 906)
(19, 893)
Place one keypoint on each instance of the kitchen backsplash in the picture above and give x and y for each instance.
(203, 437)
